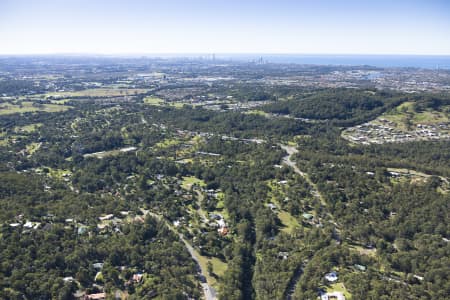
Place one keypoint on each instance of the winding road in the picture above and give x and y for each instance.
(287, 160)
(208, 290)
(291, 150)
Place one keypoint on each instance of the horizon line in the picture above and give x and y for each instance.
(181, 54)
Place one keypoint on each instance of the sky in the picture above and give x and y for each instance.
(225, 26)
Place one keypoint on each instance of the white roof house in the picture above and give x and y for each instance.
(332, 296)
(331, 277)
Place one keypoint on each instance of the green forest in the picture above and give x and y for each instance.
(118, 197)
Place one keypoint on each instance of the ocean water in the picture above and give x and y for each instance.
(414, 61)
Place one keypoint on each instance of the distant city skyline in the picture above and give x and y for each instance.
(415, 27)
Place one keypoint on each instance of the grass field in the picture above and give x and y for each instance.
(220, 203)
(8, 108)
(27, 128)
(167, 143)
(3, 138)
(288, 221)
(220, 207)
(156, 101)
(339, 287)
(408, 175)
(55, 173)
(189, 181)
(152, 100)
(33, 147)
(219, 267)
(364, 251)
(176, 104)
(257, 112)
(58, 173)
(404, 114)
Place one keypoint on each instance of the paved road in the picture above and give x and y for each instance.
(315, 191)
(288, 161)
(209, 291)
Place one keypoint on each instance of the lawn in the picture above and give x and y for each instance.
(408, 175)
(219, 267)
(33, 147)
(292, 144)
(27, 128)
(289, 222)
(189, 181)
(9, 108)
(152, 100)
(58, 173)
(220, 203)
(404, 112)
(167, 143)
(339, 287)
(220, 207)
(176, 104)
(257, 112)
(364, 251)
(276, 190)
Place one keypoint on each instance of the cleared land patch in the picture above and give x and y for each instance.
(103, 154)
(26, 106)
(218, 266)
(339, 287)
(402, 124)
(153, 100)
(364, 251)
(156, 101)
(101, 92)
(27, 128)
(189, 181)
(289, 222)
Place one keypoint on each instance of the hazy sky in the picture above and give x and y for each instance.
(225, 26)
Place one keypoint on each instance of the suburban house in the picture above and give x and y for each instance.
(332, 296)
(331, 277)
(98, 296)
